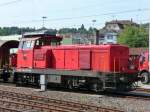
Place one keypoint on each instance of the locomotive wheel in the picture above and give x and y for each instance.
(17, 80)
(5, 79)
(70, 84)
(145, 78)
(98, 87)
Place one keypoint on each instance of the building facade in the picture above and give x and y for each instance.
(109, 33)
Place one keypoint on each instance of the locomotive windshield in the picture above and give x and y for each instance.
(46, 42)
(55, 42)
(26, 45)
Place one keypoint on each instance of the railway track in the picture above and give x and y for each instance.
(138, 95)
(43, 104)
(143, 90)
(17, 102)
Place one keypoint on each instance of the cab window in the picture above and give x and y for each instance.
(39, 43)
(28, 45)
(46, 42)
(42, 42)
(55, 42)
(20, 44)
(32, 44)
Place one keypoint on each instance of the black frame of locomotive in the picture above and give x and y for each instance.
(97, 81)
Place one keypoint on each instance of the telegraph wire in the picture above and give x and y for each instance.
(87, 16)
(97, 5)
(77, 17)
(104, 14)
(116, 2)
(97, 24)
(11, 2)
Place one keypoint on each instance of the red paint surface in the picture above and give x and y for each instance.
(102, 58)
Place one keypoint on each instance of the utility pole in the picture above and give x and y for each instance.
(149, 49)
(95, 38)
(94, 21)
(44, 17)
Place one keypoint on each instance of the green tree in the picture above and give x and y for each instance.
(14, 30)
(67, 30)
(134, 36)
(82, 29)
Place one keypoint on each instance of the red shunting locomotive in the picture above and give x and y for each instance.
(95, 67)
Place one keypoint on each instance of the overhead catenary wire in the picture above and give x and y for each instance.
(10, 2)
(103, 14)
(95, 5)
(76, 17)
(87, 16)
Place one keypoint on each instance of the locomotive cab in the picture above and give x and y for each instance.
(32, 41)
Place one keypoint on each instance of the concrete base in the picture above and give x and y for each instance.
(43, 87)
(43, 82)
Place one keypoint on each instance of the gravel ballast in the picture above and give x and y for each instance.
(125, 104)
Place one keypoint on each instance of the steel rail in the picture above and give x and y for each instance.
(71, 105)
(138, 95)
(31, 106)
(68, 109)
(2, 108)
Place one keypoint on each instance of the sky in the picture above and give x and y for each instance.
(71, 13)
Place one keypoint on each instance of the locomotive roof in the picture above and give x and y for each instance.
(39, 33)
(95, 47)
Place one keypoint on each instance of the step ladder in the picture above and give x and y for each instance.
(109, 82)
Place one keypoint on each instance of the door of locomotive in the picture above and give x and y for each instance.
(42, 52)
(25, 53)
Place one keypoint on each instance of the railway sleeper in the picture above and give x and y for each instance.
(47, 105)
(63, 103)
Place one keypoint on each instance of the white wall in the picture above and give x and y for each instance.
(109, 38)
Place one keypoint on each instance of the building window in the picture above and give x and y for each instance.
(101, 38)
(110, 37)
